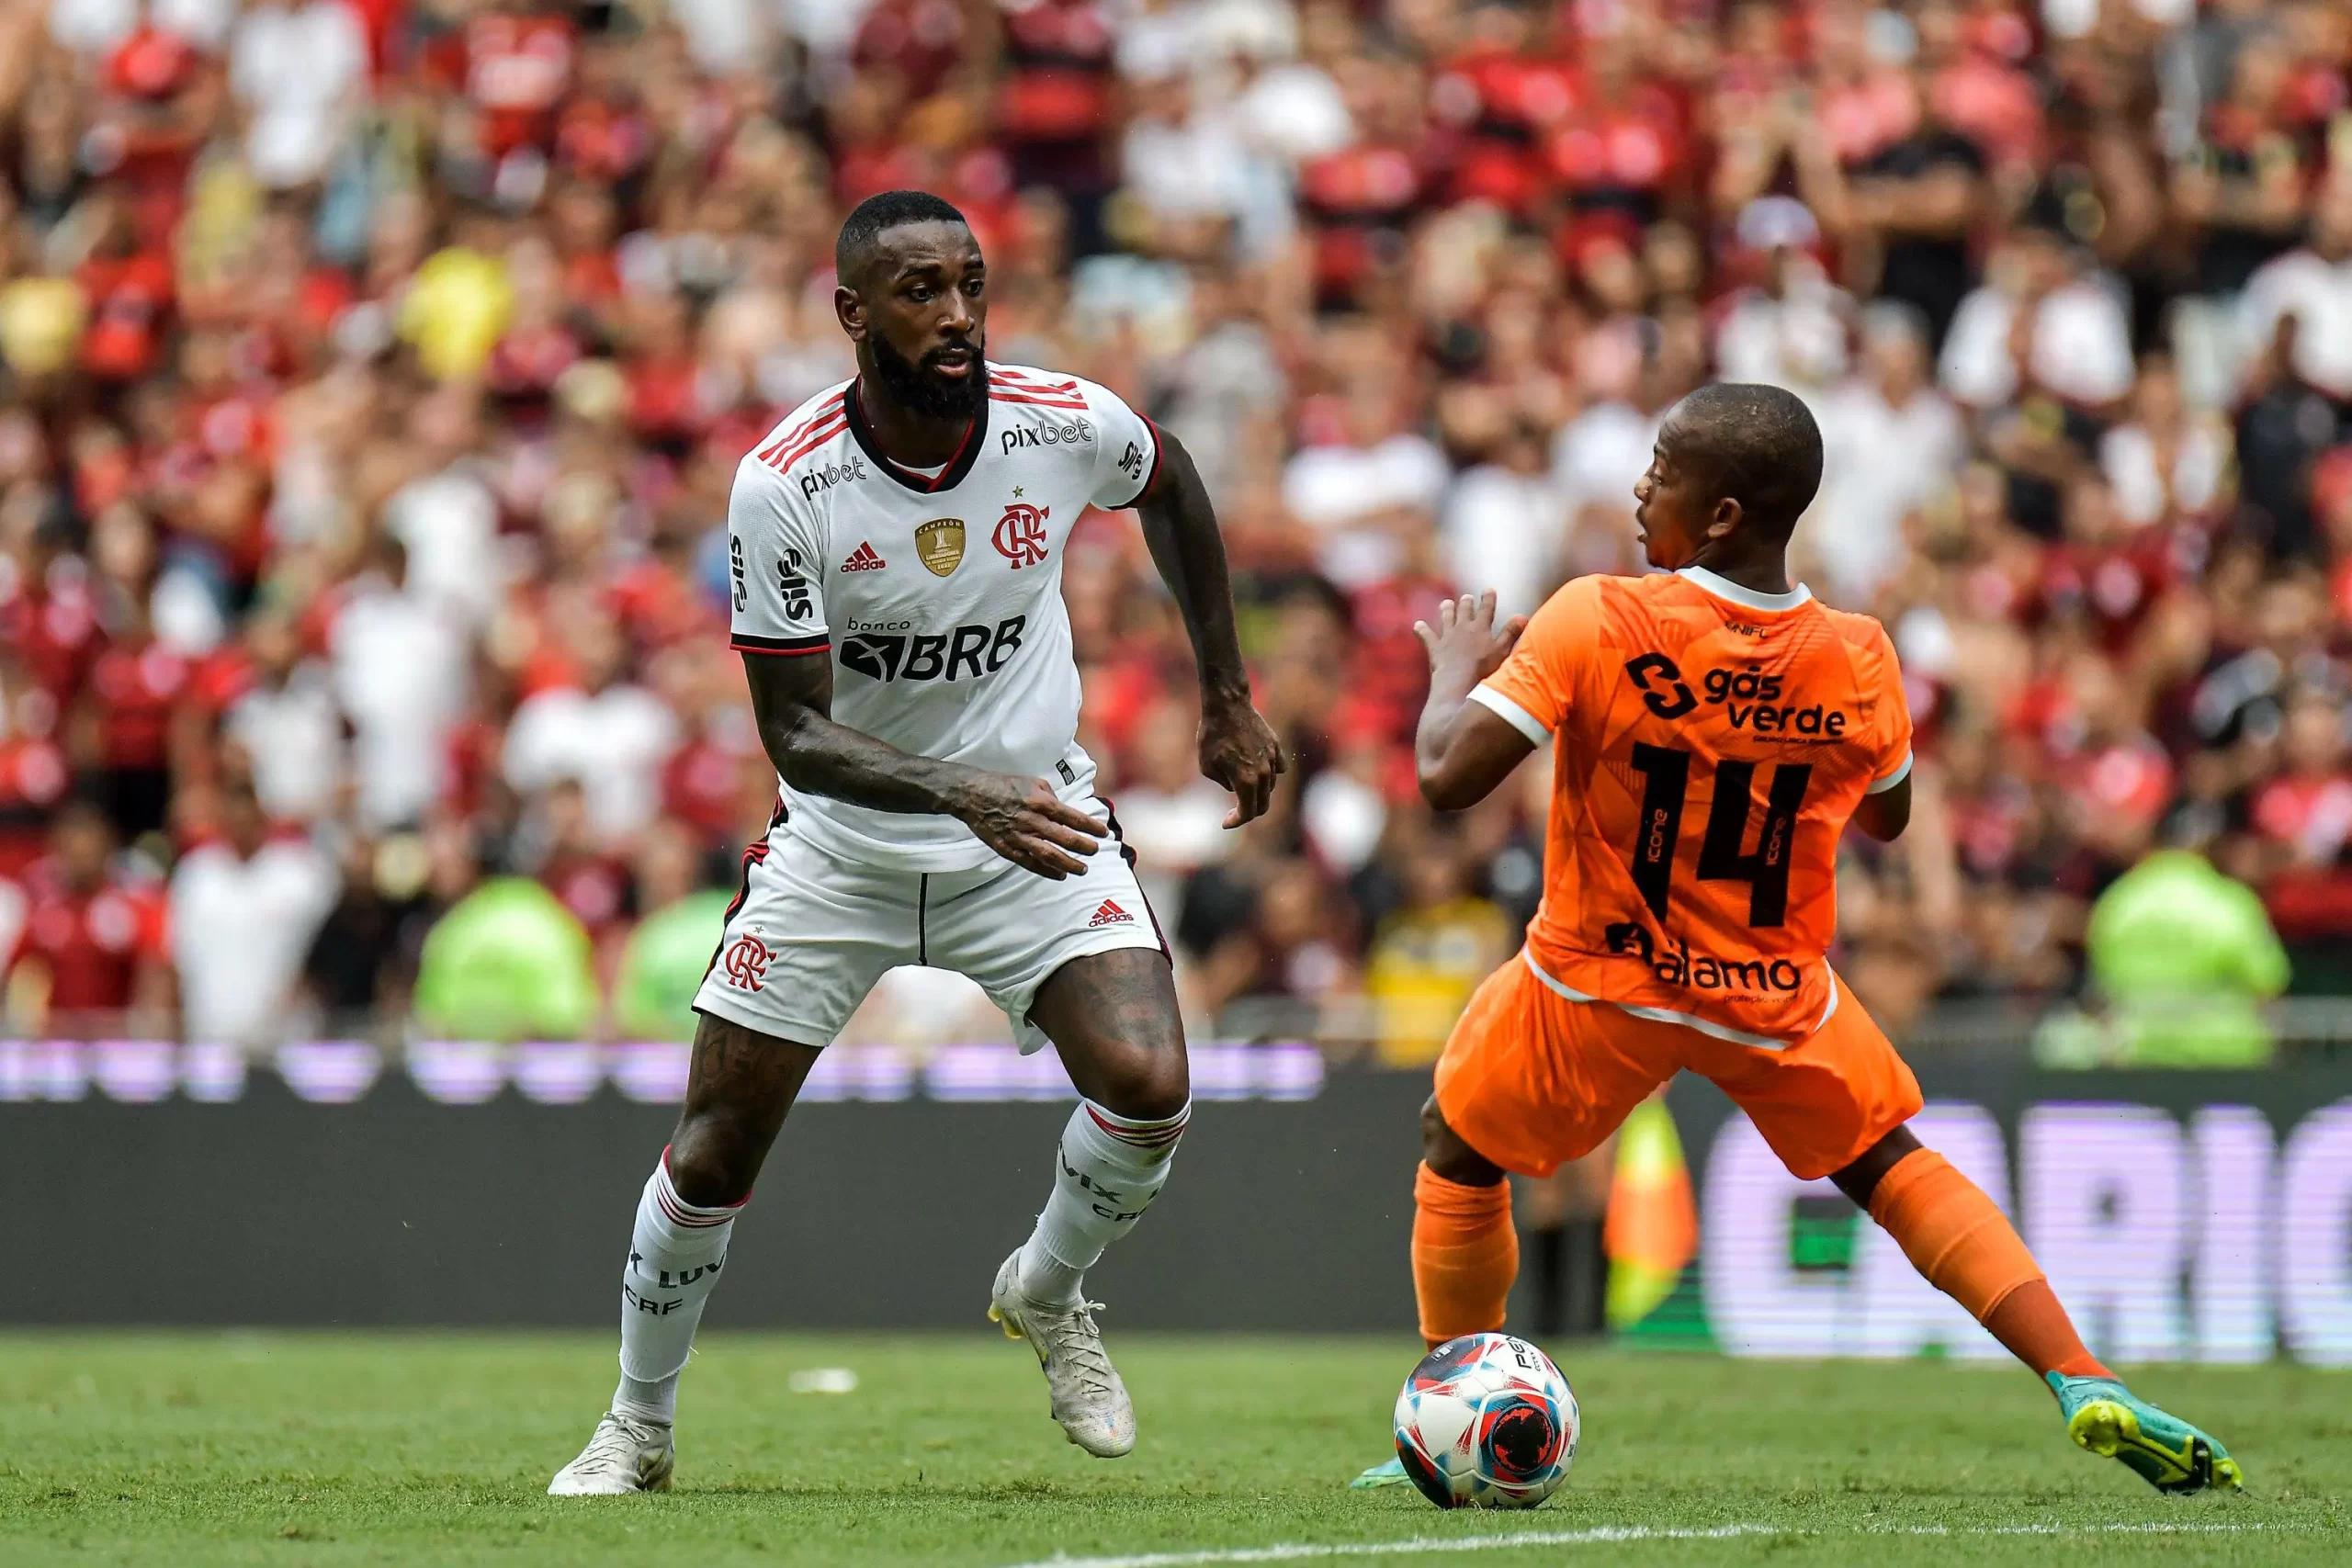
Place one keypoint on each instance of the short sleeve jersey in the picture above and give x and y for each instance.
(1710, 745)
(936, 595)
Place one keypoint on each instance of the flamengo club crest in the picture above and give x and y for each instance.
(1020, 535)
(940, 544)
(746, 962)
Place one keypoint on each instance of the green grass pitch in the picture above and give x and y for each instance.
(191, 1450)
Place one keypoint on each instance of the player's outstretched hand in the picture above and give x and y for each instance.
(1465, 644)
(1238, 750)
(1026, 822)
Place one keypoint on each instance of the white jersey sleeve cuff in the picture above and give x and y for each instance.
(1518, 718)
(1900, 772)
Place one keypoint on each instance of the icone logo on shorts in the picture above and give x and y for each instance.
(967, 652)
(746, 963)
(1678, 966)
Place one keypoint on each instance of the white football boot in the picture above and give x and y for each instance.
(1088, 1400)
(623, 1455)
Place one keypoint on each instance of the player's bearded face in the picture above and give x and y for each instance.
(919, 384)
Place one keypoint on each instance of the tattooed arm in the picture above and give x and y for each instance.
(1022, 819)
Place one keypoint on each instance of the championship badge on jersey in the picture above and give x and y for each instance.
(940, 543)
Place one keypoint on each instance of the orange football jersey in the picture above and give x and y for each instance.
(1710, 745)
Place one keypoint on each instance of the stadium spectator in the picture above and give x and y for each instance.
(371, 379)
(244, 905)
(91, 942)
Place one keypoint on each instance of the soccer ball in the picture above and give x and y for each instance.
(1487, 1421)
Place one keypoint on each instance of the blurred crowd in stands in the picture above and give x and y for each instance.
(374, 371)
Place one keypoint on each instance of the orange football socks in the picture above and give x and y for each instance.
(1967, 1249)
(1465, 1256)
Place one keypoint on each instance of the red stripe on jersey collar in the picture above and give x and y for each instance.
(947, 478)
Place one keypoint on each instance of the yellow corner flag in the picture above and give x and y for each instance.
(1653, 1227)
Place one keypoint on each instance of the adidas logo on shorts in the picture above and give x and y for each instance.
(863, 559)
(1110, 914)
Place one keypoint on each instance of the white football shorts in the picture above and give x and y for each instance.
(810, 932)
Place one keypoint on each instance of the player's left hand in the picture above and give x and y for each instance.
(1239, 751)
(1465, 643)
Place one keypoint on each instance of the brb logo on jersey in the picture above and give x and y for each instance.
(1020, 535)
(747, 963)
(893, 650)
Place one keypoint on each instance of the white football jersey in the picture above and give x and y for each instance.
(938, 597)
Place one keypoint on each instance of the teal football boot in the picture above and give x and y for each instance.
(2107, 1419)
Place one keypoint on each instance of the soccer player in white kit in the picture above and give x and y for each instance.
(896, 547)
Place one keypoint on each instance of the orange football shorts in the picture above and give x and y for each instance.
(1533, 1080)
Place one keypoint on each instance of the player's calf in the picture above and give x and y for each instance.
(1115, 1020)
(738, 1088)
(676, 1252)
(1107, 1169)
(1957, 1237)
(1465, 1251)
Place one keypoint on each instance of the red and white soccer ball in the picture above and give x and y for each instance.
(1487, 1421)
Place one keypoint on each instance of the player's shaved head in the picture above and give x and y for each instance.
(860, 243)
(1756, 444)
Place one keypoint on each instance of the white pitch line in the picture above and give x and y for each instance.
(1598, 1535)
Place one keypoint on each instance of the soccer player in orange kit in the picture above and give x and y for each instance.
(1713, 731)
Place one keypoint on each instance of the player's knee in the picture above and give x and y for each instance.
(1445, 1154)
(1148, 1082)
(712, 1159)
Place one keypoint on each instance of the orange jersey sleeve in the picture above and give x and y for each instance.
(1708, 753)
(1536, 687)
(1893, 710)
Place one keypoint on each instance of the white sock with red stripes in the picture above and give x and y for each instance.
(1108, 1170)
(674, 1255)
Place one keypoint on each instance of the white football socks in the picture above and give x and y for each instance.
(1108, 1170)
(675, 1255)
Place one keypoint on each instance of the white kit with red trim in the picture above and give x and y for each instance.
(937, 596)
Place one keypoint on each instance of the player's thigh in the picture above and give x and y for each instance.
(807, 938)
(1079, 962)
(1532, 1080)
(1113, 1018)
(1822, 1103)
